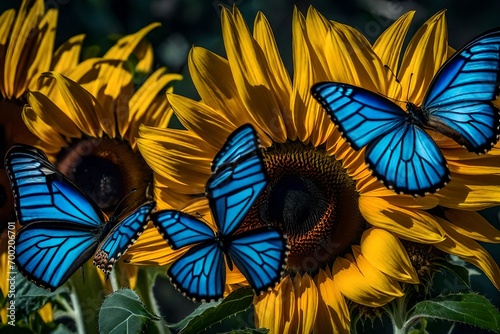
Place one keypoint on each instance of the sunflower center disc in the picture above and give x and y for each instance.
(312, 200)
(107, 170)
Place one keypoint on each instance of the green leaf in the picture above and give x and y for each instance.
(123, 312)
(29, 297)
(198, 311)
(237, 302)
(467, 308)
(460, 272)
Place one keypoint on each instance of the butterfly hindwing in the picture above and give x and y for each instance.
(259, 255)
(458, 100)
(408, 161)
(360, 114)
(122, 236)
(41, 192)
(49, 253)
(200, 273)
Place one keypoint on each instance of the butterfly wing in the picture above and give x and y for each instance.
(60, 224)
(260, 255)
(49, 253)
(408, 161)
(42, 193)
(121, 237)
(200, 273)
(361, 115)
(242, 141)
(233, 189)
(180, 229)
(459, 98)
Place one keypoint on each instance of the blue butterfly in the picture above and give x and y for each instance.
(61, 226)
(457, 104)
(238, 179)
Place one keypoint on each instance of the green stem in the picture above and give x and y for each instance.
(114, 281)
(144, 288)
(77, 312)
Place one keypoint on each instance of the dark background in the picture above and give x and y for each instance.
(197, 22)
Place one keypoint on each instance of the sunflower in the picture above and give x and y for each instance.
(351, 239)
(87, 126)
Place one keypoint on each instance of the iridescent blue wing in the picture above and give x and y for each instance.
(242, 141)
(42, 193)
(121, 237)
(360, 114)
(49, 253)
(180, 229)
(408, 161)
(459, 98)
(200, 273)
(233, 189)
(260, 255)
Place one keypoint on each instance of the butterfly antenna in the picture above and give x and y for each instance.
(393, 74)
(115, 214)
(409, 85)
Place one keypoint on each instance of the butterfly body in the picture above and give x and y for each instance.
(238, 179)
(458, 104)
(61, 226)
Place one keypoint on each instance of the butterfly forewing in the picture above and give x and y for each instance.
(42, 193)
(459, 98)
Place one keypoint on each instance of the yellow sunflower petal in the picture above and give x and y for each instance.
(386, 253)
(279, 80)
(151, 249)
(145, 55)
(470, 251)
(46, 313)
(383, 283)
(426, 52)
(42, 130)
(306, 294)
(354, 286)
(214, 82)
(310, 120)
(126, 45)
(192, 157)
(82, 107)
(352, 60)
(275, 309)
(388, 47)
(333, 313)
(212, 125)
(67, 55)
(318, 28)
(52, 115)
(141, 104)
(16, 58)
(251, 75)
(41, 60)
(473, 225)
(6, 20)
(470, 192)
(411, 224)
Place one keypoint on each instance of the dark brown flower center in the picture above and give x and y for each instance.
(107, 170)
(312, 200)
